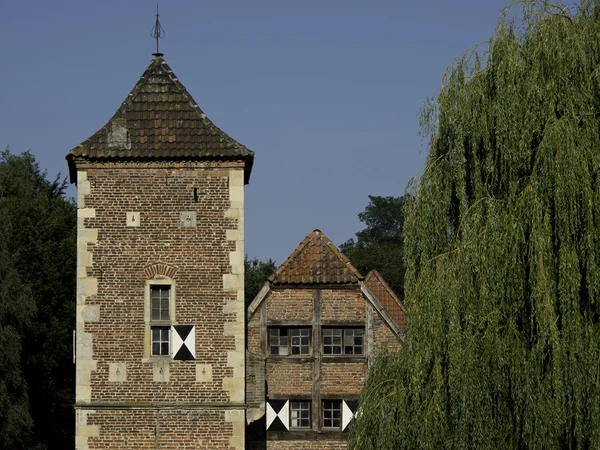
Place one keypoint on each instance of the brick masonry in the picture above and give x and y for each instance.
(202, 259)
(314, 377)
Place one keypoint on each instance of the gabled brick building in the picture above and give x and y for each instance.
(312, 332)
(160, 275)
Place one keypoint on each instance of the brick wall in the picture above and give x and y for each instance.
(307, 445)
(342, 305)
(150, 429)
(289, 378)
(383, 336)
(290, 305)
(253, 338)
(195, 245)
(293, 377)
(342, 379)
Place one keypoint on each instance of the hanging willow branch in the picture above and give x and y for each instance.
(502, 248)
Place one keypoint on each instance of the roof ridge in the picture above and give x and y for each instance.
(315, 267)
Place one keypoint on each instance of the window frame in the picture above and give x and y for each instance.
(289, 339)
(309, 419)
(324, 410)
(163, 322)
(342, 338)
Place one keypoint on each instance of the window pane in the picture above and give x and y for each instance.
(160, 302)
(332, 413)
(160, 340)
(300, 414)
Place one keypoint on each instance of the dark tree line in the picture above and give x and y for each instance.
(380, 244)
(37, 307)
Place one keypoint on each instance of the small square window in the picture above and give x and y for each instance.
(332, 341)
(332, 414)
(279, 341)
(300, 414)
(343, 341)
(353, 341)
(160, 341)
(284, 341)
(300, 341)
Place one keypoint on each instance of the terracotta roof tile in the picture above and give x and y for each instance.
(316, 261)
(160, 120)
(390, 301)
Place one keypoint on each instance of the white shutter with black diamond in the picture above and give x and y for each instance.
(184, 342)
(349, 408)
(278, 415)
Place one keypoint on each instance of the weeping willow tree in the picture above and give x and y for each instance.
(502, 248)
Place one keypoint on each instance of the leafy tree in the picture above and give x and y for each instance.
(41, 242)
(16, 311)
(380, 245)
(502, 245)
(255, 276)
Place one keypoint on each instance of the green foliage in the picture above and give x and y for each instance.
(380, 245)
(16, 311)
(255, 276)
(502, 251)
(41, 241)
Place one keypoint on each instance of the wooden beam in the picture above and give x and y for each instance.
(316, 347)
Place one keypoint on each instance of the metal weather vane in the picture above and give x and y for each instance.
(157, 33)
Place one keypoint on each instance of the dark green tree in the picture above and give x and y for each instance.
(502, 251)
(16, 311)
(41, 242)
(255, 276)
(380, 245)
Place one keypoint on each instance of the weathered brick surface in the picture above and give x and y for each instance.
(288, 378)
(201, 256)
(290, 305)
(253, 338)
(383, 336)
(167, 430)
(342, 305)
(197, 258)
(345, 379)
(307, 445)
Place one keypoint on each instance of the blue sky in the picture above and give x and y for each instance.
(327, 93)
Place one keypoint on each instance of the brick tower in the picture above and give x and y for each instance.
(160, 275)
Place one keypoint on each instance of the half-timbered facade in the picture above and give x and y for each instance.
(312, 332)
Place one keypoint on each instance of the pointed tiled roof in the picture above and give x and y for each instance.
(316, 261)
(160, 120)
(387, 297)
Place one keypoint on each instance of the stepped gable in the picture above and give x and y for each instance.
(159, 120)
(316, 261)
(390, 301)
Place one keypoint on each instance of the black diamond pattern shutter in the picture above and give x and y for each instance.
(278, 415)
(349, 408)
(184, 342)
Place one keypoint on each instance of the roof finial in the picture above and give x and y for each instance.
(157, 33)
